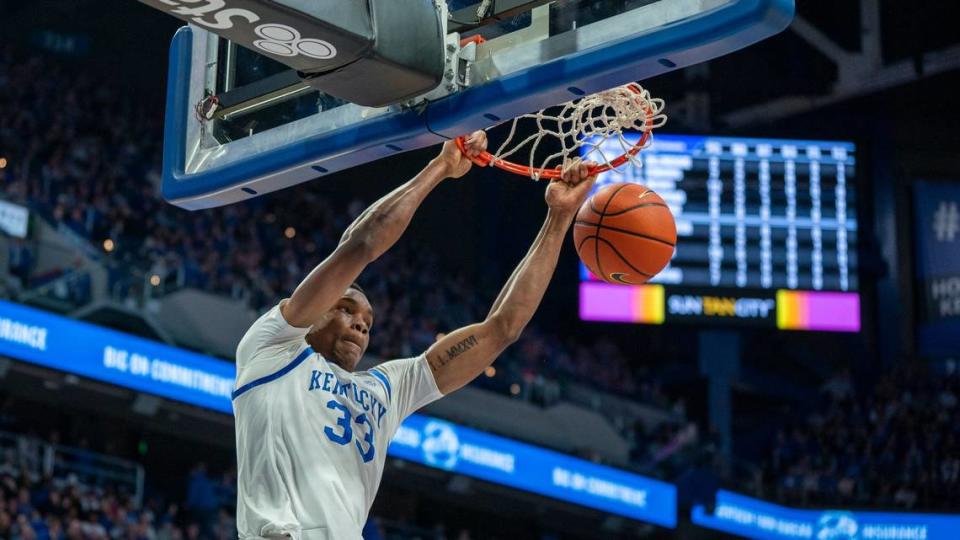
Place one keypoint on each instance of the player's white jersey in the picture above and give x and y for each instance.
(312, 437)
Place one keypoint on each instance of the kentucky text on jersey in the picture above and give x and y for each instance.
(328, 382)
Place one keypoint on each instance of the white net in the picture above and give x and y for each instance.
(582, 126)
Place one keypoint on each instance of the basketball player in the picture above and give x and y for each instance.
(312, 433)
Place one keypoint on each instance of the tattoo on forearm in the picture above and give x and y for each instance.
(461, 347)
(444, 358)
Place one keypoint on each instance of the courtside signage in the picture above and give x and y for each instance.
(495, 459)
(106, 355)
(753, 518)
(87, 350)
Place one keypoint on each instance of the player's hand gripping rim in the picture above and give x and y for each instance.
(566, 194)
(459, 155)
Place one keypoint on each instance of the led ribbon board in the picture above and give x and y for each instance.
(753, 518)
(114, 357)
(781, 309)
(106, 355)
(447, 446)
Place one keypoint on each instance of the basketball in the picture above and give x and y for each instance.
(625, 233)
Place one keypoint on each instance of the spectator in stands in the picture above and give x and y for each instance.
(202, 500)
(20, 261)
(894, 443)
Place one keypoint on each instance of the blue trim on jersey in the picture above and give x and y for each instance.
(383, 379)
(274, 376)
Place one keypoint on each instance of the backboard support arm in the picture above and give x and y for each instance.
(466, 19)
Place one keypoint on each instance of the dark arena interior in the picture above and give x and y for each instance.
(792, 374)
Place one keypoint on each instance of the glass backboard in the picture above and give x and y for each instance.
(240, 125)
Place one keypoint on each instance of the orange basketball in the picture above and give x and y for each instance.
(625, 233)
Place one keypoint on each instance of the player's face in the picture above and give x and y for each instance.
(344, 334)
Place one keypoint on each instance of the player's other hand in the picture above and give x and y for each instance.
(455, 163)
(565, 195)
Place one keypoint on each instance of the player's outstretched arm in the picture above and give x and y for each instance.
(372, 233)
(459, 357)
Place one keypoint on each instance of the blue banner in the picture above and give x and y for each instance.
(937, 229)
(753, 518)
(114, 357)
(937, 224)
(106, 355)
(495, 459)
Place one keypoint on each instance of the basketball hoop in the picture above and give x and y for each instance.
(581, 127)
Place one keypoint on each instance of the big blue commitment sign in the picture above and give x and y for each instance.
(139, 364)
(753, 518)
(496, 459)
(114, 357)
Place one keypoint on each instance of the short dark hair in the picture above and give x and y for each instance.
(354, 285)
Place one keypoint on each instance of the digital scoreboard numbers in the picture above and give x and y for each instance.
(766, 229)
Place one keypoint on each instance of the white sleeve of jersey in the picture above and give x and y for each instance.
(268, 346)
(411, 384)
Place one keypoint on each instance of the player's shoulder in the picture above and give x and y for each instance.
(409, 383)
(401, 370)
(395, 367)
(270, 335)
(270, 365)
(376, 378)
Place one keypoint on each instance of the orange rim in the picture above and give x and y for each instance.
(485, 158)
(478, 39)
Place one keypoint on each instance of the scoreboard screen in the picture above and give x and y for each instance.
(766, 235)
